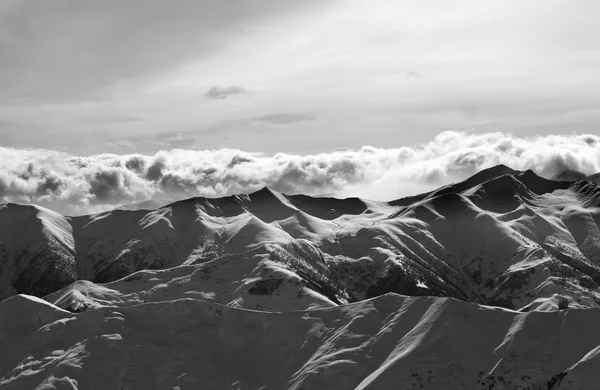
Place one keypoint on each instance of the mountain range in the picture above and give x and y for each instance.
(490, 283)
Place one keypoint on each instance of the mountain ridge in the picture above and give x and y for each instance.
(403, 247)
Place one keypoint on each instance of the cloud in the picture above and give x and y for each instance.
(240, 158)
(217, 92)
(285, 118)
(77, 185)
(486, 66)
(415, 75)
(42, 61)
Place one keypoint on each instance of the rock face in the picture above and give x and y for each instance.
(501, 237)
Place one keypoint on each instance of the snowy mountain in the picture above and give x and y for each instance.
(487, 283)
(501, 237)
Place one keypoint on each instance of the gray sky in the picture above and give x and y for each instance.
(270, 76)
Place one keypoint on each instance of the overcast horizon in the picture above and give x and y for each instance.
(104, 104)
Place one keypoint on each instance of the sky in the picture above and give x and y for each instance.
(201, 82)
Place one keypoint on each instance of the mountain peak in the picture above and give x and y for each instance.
(500, 168)
(264, 191)
(493, 173)
(539, 185)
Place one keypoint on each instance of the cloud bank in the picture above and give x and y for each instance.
(78, 185)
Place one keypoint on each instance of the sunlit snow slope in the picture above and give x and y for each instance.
(389, 342)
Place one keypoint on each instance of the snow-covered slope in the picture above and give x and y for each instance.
(37, 251)
(248, 280)
(389, 342)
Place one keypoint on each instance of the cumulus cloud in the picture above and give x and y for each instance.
(77, 185)
(217, 92)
